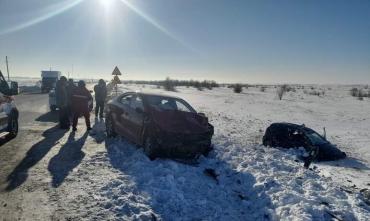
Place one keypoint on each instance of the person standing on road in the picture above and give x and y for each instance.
(80, 105)
(70, 88)
(100, 96)
(62, 102)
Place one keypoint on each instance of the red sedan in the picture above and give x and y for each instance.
(165, 126)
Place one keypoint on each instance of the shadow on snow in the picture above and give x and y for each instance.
(348, 162)
(69, 157)
(179, 191)
(51, 116)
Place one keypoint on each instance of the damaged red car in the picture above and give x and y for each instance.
(165, 126)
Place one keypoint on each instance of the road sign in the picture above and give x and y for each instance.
(116, 71)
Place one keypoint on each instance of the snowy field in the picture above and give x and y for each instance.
(94, 178)
(24, 81)
(254, 182)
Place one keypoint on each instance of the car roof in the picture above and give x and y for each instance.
(152, 94)
(284, 124)
(291, 125)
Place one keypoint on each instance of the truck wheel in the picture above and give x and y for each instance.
(109, 127)
(12, 127)
(150, 147)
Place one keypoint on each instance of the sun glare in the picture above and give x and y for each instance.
(107, 3)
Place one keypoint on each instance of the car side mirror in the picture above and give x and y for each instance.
(202, 114)
(139, 110)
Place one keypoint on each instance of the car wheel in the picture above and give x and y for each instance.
(267, 142)
(109, 126)
(209, 149)
(150, 147)
(12, 127)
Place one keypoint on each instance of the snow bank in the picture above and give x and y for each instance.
(253, 182)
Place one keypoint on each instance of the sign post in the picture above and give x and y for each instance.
(116, 72)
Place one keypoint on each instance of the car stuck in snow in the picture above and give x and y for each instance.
(288, 135)
(165, 126)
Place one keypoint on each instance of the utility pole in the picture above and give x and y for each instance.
(7, 67)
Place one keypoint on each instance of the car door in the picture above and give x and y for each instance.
(121, 117)
(281, 138)
(3, 115)
(297, 138)
(292, 138)
(136, 118)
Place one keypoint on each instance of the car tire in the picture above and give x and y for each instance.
(12, 127)
(270, 141)
(53, 108)
(109, 127)
(150, 147)
(208, 150)
(267, 141)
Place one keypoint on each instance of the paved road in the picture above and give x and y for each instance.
(36, 167)
(20, 155)
(32, 107)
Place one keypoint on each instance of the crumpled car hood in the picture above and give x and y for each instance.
(180, 122)
(328, 152)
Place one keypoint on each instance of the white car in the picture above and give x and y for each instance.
(8, 110)
(8, 117)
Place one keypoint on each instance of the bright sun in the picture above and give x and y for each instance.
(106, 3)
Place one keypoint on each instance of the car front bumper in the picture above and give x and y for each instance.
(184, 145)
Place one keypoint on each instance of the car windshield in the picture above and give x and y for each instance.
(315, 138)
(169, 104)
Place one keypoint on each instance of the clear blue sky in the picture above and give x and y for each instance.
(290, 41)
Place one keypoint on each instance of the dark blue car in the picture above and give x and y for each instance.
(288, 135)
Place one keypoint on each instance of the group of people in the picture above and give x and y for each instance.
(76, 101)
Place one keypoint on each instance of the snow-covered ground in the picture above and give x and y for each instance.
(94, 178)
(254, 182)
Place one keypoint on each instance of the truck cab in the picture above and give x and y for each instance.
(8, 110)
(49, 80)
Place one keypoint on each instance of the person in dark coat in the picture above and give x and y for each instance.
(80, 100)
(62, 102)
(70, 88)
(100, 96)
